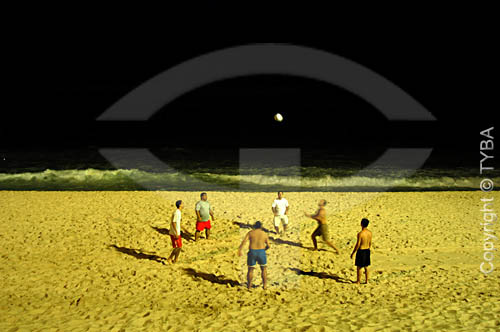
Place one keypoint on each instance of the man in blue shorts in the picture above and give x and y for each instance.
(259, 243)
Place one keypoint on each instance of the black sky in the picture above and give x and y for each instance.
(61, 85)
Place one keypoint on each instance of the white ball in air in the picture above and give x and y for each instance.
(278, 117)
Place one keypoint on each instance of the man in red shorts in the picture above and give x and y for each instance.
(175, 232)
(203, 214)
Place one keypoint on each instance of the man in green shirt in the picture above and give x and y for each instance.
(203, 214)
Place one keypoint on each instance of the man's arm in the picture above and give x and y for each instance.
(287, 207)
(197, 211)
(358, 242)
(178, 228)
(273, 208)
(313, 216)
(370, 245)
(268, 245)
(211, 214)
(243, 243)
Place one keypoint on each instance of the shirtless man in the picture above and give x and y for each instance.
(259, 243)
(362, 250)
(322, 229)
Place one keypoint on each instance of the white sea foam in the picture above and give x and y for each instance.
(127, 179)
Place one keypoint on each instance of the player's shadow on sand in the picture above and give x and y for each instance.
(165, 231)
(321, 275)
(242, 225)
(138, 254)
(211, 277)
(290, 243)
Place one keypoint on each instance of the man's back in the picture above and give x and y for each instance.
(366, 239)
(258, 239)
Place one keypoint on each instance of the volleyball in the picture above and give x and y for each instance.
(278, 117)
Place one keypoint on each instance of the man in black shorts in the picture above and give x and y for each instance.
(362, 250)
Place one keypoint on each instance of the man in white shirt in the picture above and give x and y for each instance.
(175, 232)
(280, 209)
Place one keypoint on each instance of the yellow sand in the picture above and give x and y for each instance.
(90, 261)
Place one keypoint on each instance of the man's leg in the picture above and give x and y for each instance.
(250, 276)
(317, 232)
(171, 256)
(277, 224)
(177, 252)
(331, 245)
(264, 276)
(366, 273)
(315, 243)
(358, 269)
(285, 223)
(207, 232)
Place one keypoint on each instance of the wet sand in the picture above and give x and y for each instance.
(93, 261)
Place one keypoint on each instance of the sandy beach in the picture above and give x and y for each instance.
(92, 261)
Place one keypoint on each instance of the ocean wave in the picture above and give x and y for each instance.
(135, 179)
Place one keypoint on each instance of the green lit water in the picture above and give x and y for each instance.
(200, 171)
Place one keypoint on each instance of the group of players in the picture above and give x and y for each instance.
(259, 240)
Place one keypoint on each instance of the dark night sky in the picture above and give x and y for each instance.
(62, 84)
